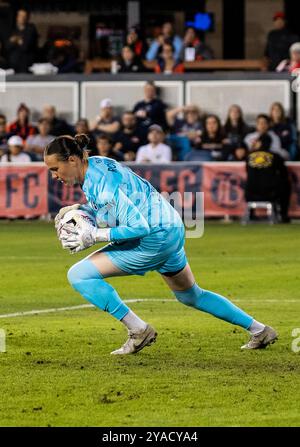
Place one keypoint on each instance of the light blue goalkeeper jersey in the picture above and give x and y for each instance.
(125, 202)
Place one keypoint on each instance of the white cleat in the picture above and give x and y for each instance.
(262, 340)
(137, 341)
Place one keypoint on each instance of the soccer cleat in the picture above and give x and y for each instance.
(137, 341)
(262, 340)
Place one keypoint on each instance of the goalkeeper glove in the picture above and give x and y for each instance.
(82, 235)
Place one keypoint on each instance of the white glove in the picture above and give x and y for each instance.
(82, 235)
(60, 215)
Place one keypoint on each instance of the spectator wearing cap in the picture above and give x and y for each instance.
(35, 144)
(129, 62)
(194, 49)
(292, 65)
(279, 41)
(22, 43)
(106, 122)
(156, 151)
(167, 63)
(263, 124)
(136, 42)
(167, 35)
(15, 153)
(21, 125)
(130, 137)
(58, 126)
(151, 110)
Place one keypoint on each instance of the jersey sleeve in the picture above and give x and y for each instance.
(131, 224)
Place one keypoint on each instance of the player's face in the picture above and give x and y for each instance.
(68, 172)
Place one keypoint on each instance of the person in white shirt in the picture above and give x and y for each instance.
(262, 127)
(15, 152)
(156, 151)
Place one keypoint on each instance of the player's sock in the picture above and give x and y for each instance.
(256, 327)
(214, 304)
(86, 279)
(133, 322)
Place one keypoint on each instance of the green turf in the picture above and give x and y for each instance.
(58, 371)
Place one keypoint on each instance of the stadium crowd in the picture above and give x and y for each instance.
(20, 49)
(152, 132)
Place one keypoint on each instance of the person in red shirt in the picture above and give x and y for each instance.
(21, 126)
(166, 63)
(136, 42)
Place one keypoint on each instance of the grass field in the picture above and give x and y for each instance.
(58, 370)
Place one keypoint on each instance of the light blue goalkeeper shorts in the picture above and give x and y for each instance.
(162, 250)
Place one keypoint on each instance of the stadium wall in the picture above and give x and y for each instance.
(78, 96)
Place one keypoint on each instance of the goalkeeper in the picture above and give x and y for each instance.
(144, 233)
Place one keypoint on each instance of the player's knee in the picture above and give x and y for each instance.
(190, 296)
(74, 274)
(82, 271)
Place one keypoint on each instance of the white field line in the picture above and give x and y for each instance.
(62, 309)
(137, 300)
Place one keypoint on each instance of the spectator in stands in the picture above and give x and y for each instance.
(267, 176)
(291, 65)
(4, 135)
(166, 62)
(21, 126)
(235, 128)
(186, 129)
(35, 144)
(58, 126)
(156, 151)
(284, 129)
(129, 62)
(22, 43)
(136, 42)
(63, 54)
(167, 35)
(193, 49)
(279, 41)
(82, 127)
(106, 122)
(104, 146)
(151, 110)
(212, 146)
(263, 127)
(15, 152)
(130, 137)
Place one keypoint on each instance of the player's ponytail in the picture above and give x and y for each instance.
(66, 146)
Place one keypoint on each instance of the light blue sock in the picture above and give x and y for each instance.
(214, 304)
(86, 279)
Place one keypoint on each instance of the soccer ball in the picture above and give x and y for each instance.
(78, 218)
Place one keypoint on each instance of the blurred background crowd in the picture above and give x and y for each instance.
(163, 41)
(152, 132)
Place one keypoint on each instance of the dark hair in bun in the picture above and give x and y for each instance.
(65, 146)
